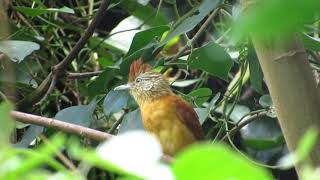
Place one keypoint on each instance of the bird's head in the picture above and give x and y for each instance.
(146, 85)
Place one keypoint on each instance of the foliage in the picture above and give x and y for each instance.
(218, 72)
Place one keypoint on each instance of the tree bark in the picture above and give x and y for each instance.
(292, 88)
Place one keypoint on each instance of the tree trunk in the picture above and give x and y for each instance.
(292, 88)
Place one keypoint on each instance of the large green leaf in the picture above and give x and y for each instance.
(131, 121)
(262, 134)
(191, 22)
(256, 75)
(81, 115)
(33, 12)
(18, 50)
(31, 134)
(201, 95)
(142, 42)
(115, 101)
(100, 84)
(213, 59)
(216, 161)
(274, 17)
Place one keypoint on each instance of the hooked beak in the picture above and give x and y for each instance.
(123, 87)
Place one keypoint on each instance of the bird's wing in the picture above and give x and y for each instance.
(189, 117)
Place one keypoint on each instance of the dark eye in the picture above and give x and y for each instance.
(138, 80)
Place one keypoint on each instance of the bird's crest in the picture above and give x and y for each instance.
(137, 68)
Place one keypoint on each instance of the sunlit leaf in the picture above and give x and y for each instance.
(205, 161)
(18, 50)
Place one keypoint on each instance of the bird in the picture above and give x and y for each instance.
(164, 114)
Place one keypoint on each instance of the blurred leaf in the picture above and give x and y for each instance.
(80, 115)
(31, 134)
(305, 146)
(131, 121)
(33, 12)
(213, 59)
(307, 143)
(265, 101)
(115, 101)
(18, 50)
(262, 134)
(256, 75)
(7, 123)
(205, 161)
(191, 22)
(145, 13)
(311, 43)
(200, 95)
(274, 17)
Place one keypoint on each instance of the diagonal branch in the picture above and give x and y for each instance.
(60, 125)
(43, 90)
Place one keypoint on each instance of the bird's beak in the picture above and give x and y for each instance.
(123, 87)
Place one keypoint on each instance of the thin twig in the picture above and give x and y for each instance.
(83, 74)
(116, 124)
(196, 36)
(244, 123)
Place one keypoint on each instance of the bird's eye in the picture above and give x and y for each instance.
(138, 80)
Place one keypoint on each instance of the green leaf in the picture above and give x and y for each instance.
(274, 17)
(100, 84)
(115, 101)
(200, 95)
(18, 50)
(256, 75)
(262, 134)
(265, 101)
(7, 123)
(81, 115)
(142, 42)
(311, 43)
(207, 161)
(143, 38)
(213, 59)
(131, 121)
(31, 134)
(191, 22)
(33, 12)
(238, 112)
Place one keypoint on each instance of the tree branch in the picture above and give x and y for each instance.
(60, 125)
(83, 74)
